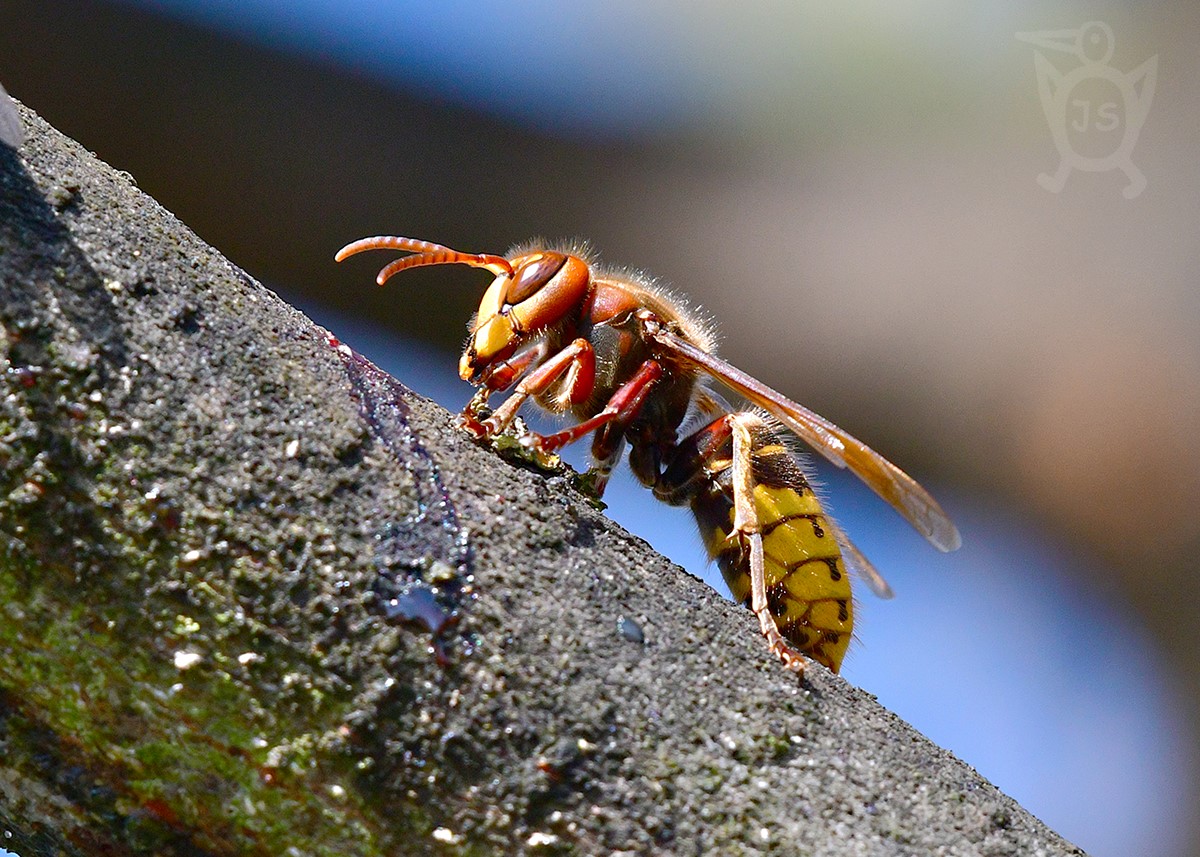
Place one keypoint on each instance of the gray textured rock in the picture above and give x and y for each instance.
(10, 123)
(213, 525)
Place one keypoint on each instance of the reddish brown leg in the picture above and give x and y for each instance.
(500, 378)
(578, 359)
(503, 375)
(606, 451)
(469, 418)
(622, 407)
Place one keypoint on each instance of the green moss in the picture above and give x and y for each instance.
(199, 742)
(777, 747)
(165, 748)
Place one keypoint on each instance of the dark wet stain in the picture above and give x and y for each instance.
(420, 603)
(630, 630)
(423, 561)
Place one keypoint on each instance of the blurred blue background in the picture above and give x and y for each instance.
(851, 191)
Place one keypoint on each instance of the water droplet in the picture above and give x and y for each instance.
(630, 630)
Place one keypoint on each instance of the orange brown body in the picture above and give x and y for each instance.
(634, 366)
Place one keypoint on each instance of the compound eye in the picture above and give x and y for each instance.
(534, 274)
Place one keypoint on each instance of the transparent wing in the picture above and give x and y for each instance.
(841, 448)
(859, 563)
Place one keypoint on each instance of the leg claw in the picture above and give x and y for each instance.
(791, 659)
(472, 426)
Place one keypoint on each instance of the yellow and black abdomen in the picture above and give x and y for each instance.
(808, 589)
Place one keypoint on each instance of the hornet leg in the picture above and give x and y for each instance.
(624, 405)
(500, 378)
(578, 359)
(606, 451)
(746, 524)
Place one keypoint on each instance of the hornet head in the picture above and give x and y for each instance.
(531, 293)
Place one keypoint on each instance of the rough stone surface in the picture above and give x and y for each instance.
(224, 543)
